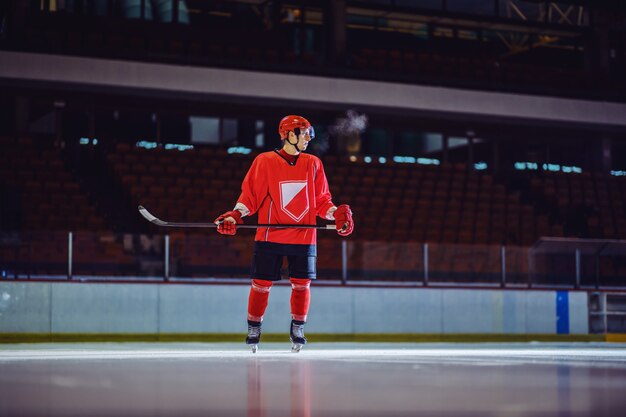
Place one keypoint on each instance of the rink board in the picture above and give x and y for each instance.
(185, 309)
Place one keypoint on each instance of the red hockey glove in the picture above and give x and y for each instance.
(226, 227)
(343, 216)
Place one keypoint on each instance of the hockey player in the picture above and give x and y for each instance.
(285, 186)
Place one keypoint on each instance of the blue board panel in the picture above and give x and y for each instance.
(562, 312)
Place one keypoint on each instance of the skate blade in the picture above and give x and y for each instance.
(296, 347)
(254, 348)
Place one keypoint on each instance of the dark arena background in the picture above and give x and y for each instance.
(480, 144)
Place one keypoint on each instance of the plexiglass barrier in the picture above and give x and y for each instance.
(575, 263)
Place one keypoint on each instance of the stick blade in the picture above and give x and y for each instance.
(148, 216)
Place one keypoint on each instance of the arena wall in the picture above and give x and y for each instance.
(115, 308)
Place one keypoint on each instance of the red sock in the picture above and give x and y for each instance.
(257, 301)
(300, 298)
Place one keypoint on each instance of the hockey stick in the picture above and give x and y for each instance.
(154, 220)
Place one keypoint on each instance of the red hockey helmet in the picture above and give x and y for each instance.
(291, 123)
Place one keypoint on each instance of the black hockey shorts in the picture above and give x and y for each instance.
(268, 261)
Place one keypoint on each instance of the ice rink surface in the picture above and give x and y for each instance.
(325, 379)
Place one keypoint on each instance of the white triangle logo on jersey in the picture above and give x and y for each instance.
(294, 198)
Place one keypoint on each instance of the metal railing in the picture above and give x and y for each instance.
(551, 262)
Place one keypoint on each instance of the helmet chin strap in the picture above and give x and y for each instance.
(295, 145)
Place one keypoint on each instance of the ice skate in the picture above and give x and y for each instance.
(254, 335)
(296, 335)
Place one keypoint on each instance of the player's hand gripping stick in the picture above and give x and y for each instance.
(227, 222)
(343, 220)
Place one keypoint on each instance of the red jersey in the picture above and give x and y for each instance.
(286, 193)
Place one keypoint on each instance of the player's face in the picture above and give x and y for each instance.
(306, 135)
